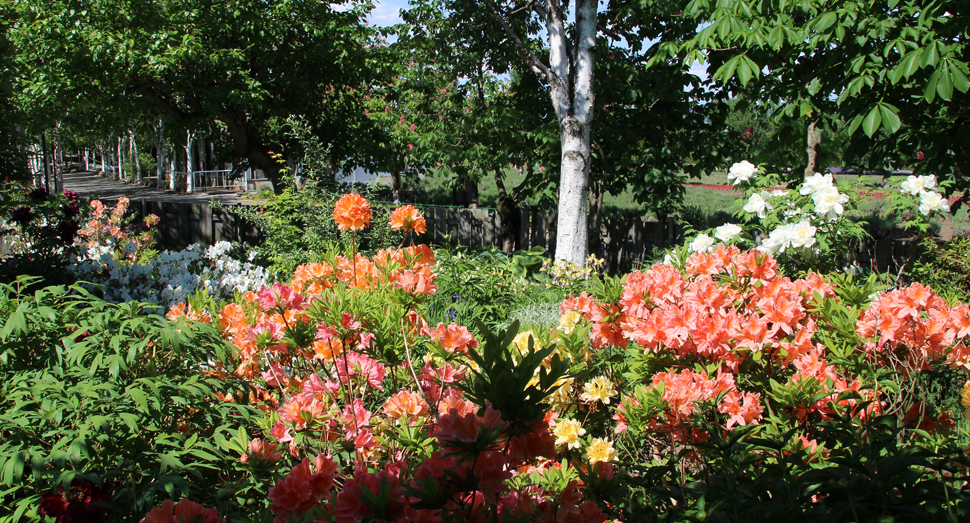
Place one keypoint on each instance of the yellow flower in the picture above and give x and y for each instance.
(567, 433)
(521, 342)
(599, 389)
(563, 393)
(600, 450)
(567, 322)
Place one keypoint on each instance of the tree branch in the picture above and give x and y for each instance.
(530, 58)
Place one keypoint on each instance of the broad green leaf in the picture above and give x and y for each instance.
(906, 66)
(871, 122)
(890, 117)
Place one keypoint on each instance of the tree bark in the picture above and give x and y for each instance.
(812, 146)
(134, 154)
(508, 213)
(570, 78)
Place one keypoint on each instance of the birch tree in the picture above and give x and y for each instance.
(569, 74)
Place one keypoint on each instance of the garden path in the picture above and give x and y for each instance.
(90, 185)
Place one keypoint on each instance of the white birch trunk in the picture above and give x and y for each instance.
(572, 97)
(160, 157)
(134, 155)
(121, 168)
(190, 163)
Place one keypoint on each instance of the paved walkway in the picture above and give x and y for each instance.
(90, 186)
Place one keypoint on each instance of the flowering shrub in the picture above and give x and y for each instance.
(172, 276)
(117, 234)
(811, 227)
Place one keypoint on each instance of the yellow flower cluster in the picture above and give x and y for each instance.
(600, 450)
(521, 342)
(568, 321)
(568, 432)
(598, 389)
(564, 273)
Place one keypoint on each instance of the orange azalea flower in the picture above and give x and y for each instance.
(405, 403)
(454, 338)
(408, 218)
(352, 212)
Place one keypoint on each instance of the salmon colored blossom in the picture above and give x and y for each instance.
(408, 218)
(352, 212)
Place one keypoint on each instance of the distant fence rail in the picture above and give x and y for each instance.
(221, 179)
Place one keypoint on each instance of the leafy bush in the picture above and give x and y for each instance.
(945, 267)
(39, 230)
(98, 394)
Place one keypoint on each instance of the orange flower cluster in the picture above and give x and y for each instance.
(352, 212)
(915, 327)
(408, 218)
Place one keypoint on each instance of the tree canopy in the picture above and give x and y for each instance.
(239, 67)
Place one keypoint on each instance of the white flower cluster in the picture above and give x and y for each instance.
(171, 276)
(801, 234)
(742, 172)
(826, 197)
(929, 199)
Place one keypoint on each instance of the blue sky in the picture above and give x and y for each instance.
(386, 12)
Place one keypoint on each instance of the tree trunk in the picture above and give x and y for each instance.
(570, 78)
(190, 163)
(813, 144)
(160, 156)
(571, 226)
(396, 185)
(508, 213)
(596, 218)
(134, 154)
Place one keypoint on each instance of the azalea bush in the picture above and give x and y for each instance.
(117, 233)
(653, 392)
(171, 277)
(294, 233)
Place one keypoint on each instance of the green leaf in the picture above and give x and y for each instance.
(139, 398)
(871, 122)
(906, 66)
(890, 117)
(131, 420)
(944, 85)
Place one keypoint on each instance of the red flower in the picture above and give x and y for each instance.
(76, 505)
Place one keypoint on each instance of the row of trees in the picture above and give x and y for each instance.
(585, 97)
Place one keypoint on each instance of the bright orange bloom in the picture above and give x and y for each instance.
(352, 212)
(408, 218)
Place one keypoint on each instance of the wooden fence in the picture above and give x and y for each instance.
(625, 240)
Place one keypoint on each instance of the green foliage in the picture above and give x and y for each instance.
(39, 229)
(476, 287)
(945, 267)
(504, 375)
(104, 392)
(871, 473)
